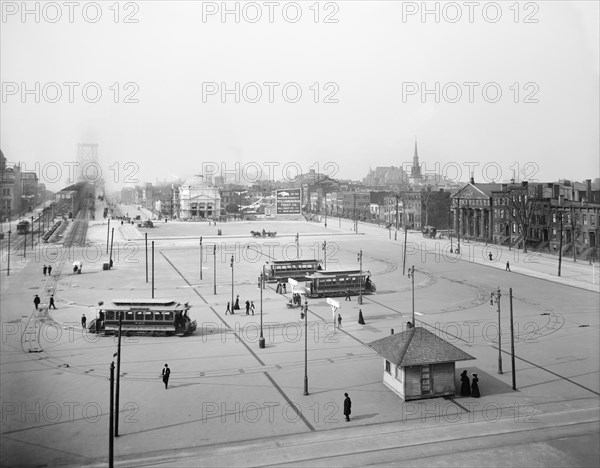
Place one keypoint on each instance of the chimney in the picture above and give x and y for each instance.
(588, 190)
(391, 331)
(472, 180)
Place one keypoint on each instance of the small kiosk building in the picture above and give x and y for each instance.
(418, 364)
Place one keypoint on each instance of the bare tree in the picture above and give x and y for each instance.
(522, 204)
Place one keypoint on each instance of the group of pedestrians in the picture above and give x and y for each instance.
(491, 257)
(37, 300)
(469, 388)
(250, 307)
(47, 270)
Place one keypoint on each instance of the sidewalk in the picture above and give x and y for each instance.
(544, 266)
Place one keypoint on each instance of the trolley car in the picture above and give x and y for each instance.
(339, 283)
(23, 227)
(153, 316)
(281, 270)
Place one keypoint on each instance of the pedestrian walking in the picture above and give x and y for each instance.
(252, 307)
(490, 255)
(347, 295)
(347, 407)
(361, 320)
(166, 373)
(52, 306)
(278, 288)
(465, 388)
(83, 321)
(475, 387)
(339, 321)
(507, 266)
(228, 310)
(36, 301)
(49, 270)
(236, 306)
(44, 270)
(284, 286)
(247, 307)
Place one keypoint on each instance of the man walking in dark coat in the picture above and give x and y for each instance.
(465, 388)
(475, 387)
(83, 321)
(52, 306)
(49, 270)
(507, 266)
(347, 407)
(348, 298)
(236, 306)
(228, 310)
(166, 373)
(247, 307)
(44, 270)
(36, 301)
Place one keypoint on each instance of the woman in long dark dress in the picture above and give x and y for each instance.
(475, 387)
(465, 388)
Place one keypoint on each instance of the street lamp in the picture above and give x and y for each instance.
(231, 265)
(200, 258)
(8, 261)
(305, 345)
(215, 269)
(411, 275)
(261, 283)
(495, 299)
(359, 258)
(325, 255)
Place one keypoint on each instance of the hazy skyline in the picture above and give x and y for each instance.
(377, 61)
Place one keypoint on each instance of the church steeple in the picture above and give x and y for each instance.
(416, 167)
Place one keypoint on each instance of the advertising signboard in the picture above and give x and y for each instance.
(289, 201)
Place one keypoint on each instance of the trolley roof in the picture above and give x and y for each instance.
(293, 262)
(154, 304)
(338, 273)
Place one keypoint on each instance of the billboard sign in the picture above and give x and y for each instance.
(289, 201)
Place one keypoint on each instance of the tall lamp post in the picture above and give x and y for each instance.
(231, 265)
(215, 269)
(32, 229)
(118, 376)
(8, 261)
(200, 258)
(458, 226)
(495, 299)
(325, 255)
(411, 275)
(261, 283)
(305, 346)
(359, 258)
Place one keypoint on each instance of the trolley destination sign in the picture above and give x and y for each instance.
(289, 201)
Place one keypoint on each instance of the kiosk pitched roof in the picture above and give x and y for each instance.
(417, 346)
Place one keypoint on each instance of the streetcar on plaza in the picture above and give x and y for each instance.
(144, 316)
(281, 270)
(23, 227)
(327, 283)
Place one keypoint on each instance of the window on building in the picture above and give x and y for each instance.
(592, 220)
(584, 219)
(388, 367)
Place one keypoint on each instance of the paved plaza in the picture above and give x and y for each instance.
(230, 403)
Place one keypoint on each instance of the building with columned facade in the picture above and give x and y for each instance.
(198, 200)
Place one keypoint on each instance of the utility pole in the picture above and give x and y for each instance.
(146, 241)
(325, 255)
(360, 286)
(152, 269)
(411, 275)
(111, 417)
(112, 238)
(118, 376)
(107, 235)
(512, 343)
(560, 244)
(8, 261)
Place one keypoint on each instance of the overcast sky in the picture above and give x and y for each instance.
(367, 64)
